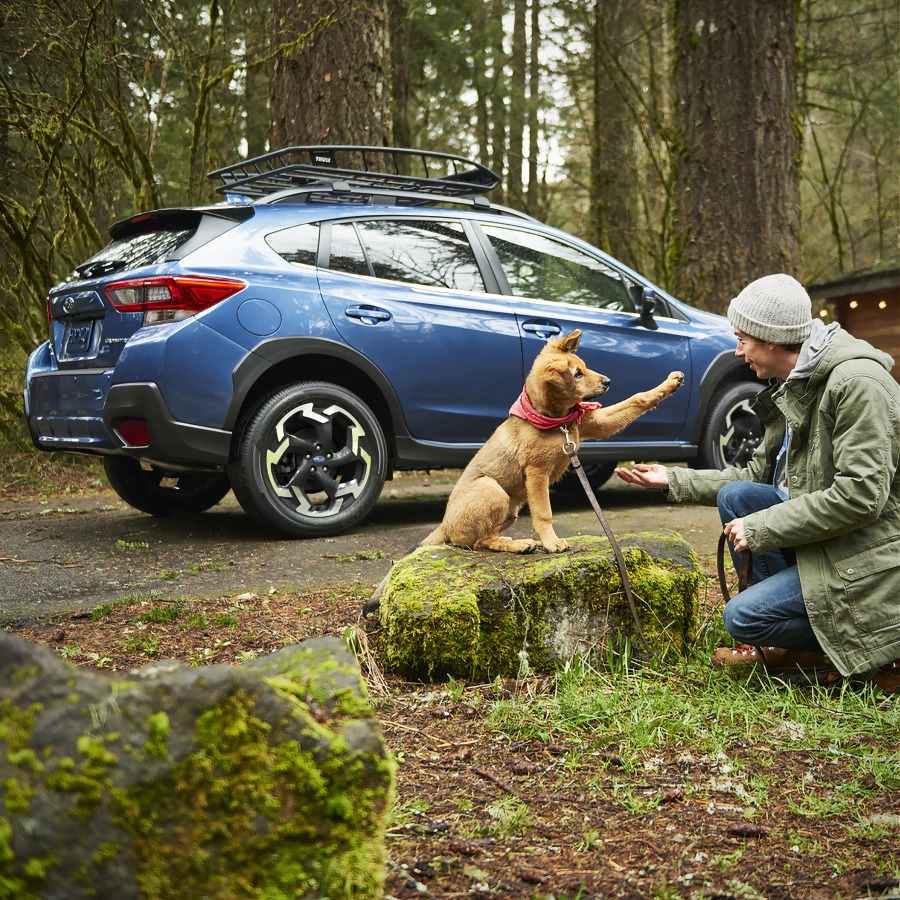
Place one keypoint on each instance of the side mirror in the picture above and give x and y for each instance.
(648, 307)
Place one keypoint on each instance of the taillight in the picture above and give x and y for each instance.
(168, 298)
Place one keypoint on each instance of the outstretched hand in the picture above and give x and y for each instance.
(647, 475)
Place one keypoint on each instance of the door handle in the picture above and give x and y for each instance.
(371, 315)
(541, 329)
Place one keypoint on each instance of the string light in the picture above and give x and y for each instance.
(882, 304)
(823, 313)
(854, 304)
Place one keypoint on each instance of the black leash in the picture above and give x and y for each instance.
(572, 451)
(742, 569)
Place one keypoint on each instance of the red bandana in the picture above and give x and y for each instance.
(523, 409)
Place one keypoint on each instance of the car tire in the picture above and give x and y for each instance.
(164, 493)
(732, 430)
(311, 460)
(570, 487)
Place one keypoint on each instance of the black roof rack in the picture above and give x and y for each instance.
(381, 169)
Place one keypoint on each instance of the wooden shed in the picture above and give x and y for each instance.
(867, 304)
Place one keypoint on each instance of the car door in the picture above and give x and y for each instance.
(411, 294)
(560, 287)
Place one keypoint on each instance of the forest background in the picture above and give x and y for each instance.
(702, 142)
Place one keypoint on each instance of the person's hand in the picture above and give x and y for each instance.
(648, 475)
(734, 531)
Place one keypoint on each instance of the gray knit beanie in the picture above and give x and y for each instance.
(773, 308)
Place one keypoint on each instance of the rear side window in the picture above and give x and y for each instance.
(298, 245)
(423, 251)
(132, 252)
(539, 267)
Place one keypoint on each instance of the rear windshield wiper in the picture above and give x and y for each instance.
(100, 267)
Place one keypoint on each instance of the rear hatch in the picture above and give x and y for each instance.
(86, 330)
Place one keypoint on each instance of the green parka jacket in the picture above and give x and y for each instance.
(842, 517)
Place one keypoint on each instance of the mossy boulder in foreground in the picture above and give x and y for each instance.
(446, 611)
(266, 780)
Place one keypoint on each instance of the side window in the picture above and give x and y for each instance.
(421, 251)
(346, 252)
(539, 267)
(298, 245)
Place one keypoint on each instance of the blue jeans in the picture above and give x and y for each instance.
(771, 612)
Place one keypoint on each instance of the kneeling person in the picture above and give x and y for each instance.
(819, 503)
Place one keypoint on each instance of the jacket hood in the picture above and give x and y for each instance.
(841, 347)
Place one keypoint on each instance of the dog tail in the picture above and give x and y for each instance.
(436, 537)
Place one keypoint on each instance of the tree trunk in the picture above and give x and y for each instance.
(614, 178)
(498, 98)
(737, 190)
(398, 15)
(336, 88)
(517, 106)
(479, 79)
(534, 93)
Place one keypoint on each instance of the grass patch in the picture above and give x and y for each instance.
(163, 613)
(508, 817)
(148, 644)
(697, 707)
(131, 546)
(224, 620)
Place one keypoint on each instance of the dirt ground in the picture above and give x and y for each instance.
(63, 553)
(479, 812)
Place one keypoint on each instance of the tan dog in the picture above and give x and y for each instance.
(519, 462)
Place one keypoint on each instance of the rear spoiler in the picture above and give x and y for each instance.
(176, 219)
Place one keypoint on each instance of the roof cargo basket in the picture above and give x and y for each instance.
(356, 167)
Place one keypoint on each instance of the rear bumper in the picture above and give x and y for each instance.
(78, 410)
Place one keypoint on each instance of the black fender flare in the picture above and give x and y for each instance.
(724, 368)
(273, 351)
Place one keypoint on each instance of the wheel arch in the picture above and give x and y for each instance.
(276, 363)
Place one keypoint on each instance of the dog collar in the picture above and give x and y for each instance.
(523, 409)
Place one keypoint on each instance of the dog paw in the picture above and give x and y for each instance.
(676, 379)
(557, 546)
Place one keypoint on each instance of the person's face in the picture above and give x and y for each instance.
(764, 359)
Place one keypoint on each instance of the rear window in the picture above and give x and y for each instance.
(133, 252)
(298, 245)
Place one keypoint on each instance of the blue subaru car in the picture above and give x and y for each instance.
(345, 313)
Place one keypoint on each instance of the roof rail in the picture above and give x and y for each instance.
(342, 192)
(385, 168)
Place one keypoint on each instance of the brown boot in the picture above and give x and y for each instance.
(887, 678)
(803, 666)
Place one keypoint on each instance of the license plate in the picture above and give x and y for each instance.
(78, 339)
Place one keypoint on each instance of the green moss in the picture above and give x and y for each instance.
(17, 795)
(447, 611)
(157, 743)
(246, 813)
(16, 724)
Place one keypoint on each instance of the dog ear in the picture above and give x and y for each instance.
(568, 343)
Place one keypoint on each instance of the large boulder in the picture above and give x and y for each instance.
(266, 780)
(477, 615)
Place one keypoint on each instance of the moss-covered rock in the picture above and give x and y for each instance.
(446, 611)
(268, 780)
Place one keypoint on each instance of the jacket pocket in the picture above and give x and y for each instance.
(871, 581)
(867, 562)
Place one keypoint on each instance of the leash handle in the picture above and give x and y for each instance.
(571, 449)
(742, 568)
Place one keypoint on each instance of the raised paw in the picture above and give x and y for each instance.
(675, 380)
(556, 546)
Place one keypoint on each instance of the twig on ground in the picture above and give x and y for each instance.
(487, 776)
